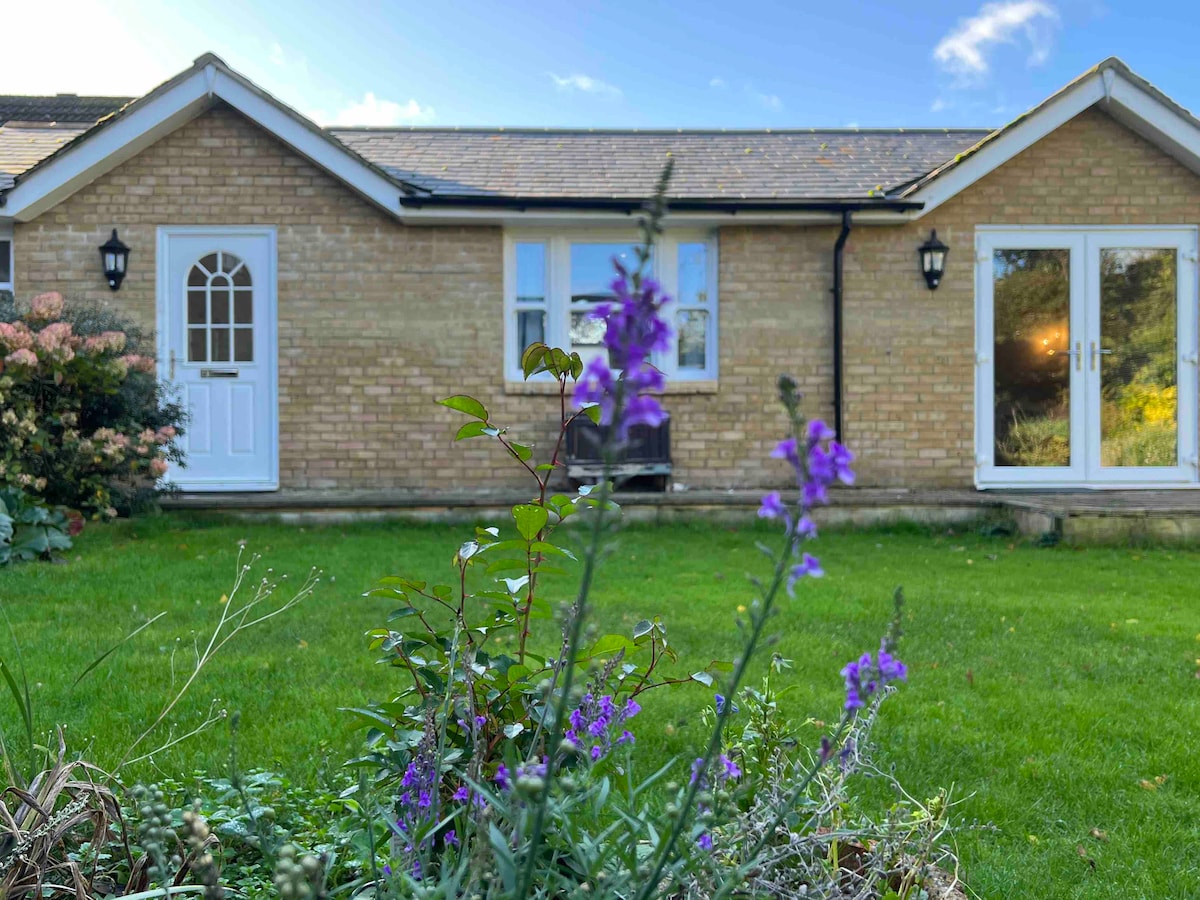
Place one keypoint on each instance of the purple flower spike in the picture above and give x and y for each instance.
(704, 842)
(840, 458)
(462, 795)
(866, 676)
(772, 506)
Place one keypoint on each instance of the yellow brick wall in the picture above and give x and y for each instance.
(377, 320)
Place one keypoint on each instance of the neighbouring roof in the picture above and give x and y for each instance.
(23, 146)
(615, 164)
(59, 108)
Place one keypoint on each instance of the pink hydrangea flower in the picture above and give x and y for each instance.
(106, 341)
(22, 357)
(137, 363)
(158, 467)
(16, 336)
(46, 307)
(165, 434)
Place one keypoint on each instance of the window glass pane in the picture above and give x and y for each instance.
(531, 328)
(1032, 300)
(592, 270)
(6, 261)
(693, 332)
(220, 305)
(587, 334)
(209, 264)
(531, 273)
(243, 345)
(243, 307)
(197, 345)
(197, 307)
(693, 274)
(220, 345)
(1138, 368)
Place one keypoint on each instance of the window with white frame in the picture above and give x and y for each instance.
(553, 281)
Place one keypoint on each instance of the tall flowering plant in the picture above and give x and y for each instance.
(512, 773)
(84, 422)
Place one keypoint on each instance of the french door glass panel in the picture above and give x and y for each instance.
(1032, 352)
(1087, 348)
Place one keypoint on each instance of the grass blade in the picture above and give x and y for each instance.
(115, 647)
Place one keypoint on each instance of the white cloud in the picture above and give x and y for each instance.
(767, 101)
(276, 54)
(938, 105)
(585, 83)
(718, 83)
(964, 51)
(372, 110)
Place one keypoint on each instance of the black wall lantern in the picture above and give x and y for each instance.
(933, 259)
(115, 255)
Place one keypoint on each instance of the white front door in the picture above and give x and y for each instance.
(1086, 357)
(217, 346)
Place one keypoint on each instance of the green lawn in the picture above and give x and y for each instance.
(1049, 684)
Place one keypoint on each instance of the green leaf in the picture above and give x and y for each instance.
(520, 451)
(642, 628)
(550, 549)
(545, 467)
(508, 565)
(703, 677)
(532, 358)
(470, 430)
(468, 405)
(611, 643)
(530, 519)
(592, 411)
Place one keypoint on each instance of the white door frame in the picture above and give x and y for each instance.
(1084, 244)
(164, 326)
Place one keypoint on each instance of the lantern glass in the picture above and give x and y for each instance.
(933, 260)
(115, 257)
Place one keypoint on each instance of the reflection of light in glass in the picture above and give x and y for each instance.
(1050, 340)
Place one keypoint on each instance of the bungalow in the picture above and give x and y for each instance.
(314, 291)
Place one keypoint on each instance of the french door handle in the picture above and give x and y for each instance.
(1078, 354)
(1098, 351)
(171, 377)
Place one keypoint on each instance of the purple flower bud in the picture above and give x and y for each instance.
(729, 768)
(462, 795)
(818, 431)
(808, 567)
(772, 506)
(451, 838)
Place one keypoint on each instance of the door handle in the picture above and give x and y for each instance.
(1096, 352)
(1078, 354)
(171, 376)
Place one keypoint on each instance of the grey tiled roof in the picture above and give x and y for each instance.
(731, 165)
(59, 108)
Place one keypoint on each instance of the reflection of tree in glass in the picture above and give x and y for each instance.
(1031, 300)
(1139, 378)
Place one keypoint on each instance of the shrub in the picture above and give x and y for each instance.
(32, 530)
(85, 422)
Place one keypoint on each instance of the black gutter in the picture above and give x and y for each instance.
(631, 207)
(838, 283)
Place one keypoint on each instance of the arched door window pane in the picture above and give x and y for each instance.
(220, 310)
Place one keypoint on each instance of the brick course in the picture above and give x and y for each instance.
(377, 320)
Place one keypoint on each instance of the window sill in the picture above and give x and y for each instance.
(674, 388)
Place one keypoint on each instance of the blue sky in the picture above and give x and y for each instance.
(639, 63)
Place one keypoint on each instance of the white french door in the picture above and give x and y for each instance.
(1086, 352)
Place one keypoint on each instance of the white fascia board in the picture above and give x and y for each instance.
(112, 145)
(548, 218)
(136, 130)
(1000, 150)
(319, 149)
(1146, 115)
